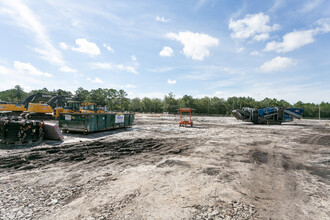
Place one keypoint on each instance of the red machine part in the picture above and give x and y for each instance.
(183, 122)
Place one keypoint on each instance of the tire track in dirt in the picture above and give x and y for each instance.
(268, 185)
(273, 184)
(90, 152)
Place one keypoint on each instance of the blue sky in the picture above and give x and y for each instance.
(277, 48)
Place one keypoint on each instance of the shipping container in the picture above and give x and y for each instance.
(86, 123)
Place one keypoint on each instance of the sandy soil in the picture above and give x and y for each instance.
(220, 169)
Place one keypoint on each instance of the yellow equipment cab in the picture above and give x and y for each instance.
(88, 107)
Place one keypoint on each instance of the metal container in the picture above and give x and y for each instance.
(86, 123)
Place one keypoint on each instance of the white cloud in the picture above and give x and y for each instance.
(218, 93)
(171, 81)
(63, 46)
(108, 48)
(196, 45)
(160, 69)
(291, 41)
(102, 65)
(310, 5)
(26, 81)
(240, 49)
(296, 39)
(4, 70)
(133, 58)
(110, 66)
(323, 25)
(84, 46)
(255, 53)
(129, 86)
(253, 25)
(27, 68)
(25, 18)
(261, 37)
(96, 80)
(277, 64)
(166, 52)
(162, 19)
(67, 69)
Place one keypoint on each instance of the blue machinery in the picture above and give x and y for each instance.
(270, 115)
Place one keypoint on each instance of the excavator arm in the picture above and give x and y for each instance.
(33, 97)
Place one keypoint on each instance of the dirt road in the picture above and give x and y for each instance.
(219, 169)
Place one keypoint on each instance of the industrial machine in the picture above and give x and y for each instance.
(182, 121)
(47, 110)
(71, 107)
(88, 107)
(10, 109)
(15, 109)
(269, 115)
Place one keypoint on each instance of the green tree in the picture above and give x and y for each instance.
(157, 105)
(19, 93)
(112, 99)
(98, 96)
(170, 103)
(135, 105)
(187, 101)
(123, 100)
(81, 94)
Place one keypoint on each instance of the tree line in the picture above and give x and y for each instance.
(117, 100)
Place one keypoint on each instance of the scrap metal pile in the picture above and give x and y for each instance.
(270, 115)
(18, 131)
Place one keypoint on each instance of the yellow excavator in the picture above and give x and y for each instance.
(10, 109)
(49, 110)
(71, 107)
(88, 107)
(46, 110)
(16, 109)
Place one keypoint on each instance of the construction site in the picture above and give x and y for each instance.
(219, 168)
(144, 110)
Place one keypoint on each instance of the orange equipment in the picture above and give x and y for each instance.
(183, 122)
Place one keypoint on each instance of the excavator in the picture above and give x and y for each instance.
(48, 110)
(30, 109)
(71, 107)
(88, 107)
(11, 109)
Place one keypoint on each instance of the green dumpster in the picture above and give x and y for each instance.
(86, 123)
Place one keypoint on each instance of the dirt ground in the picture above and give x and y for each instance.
(219, 169)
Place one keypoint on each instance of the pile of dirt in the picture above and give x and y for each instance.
(89, 152)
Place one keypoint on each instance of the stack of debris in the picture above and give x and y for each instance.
(18, 131)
